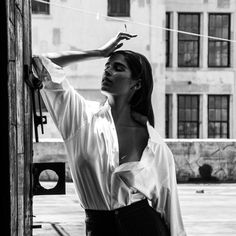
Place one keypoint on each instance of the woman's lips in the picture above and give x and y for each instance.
(106, 81)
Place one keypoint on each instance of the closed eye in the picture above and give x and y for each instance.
(117, 66)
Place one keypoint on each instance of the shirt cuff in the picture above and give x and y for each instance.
(54, 73)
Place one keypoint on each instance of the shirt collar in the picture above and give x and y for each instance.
(153, 134)
(104, 106)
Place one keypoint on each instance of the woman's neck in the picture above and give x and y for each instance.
(121, 110)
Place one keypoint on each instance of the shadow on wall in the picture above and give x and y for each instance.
(204, 161)
(205, 172)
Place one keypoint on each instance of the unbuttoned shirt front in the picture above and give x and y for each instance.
(90, 138)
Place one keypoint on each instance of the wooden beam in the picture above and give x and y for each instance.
(4, 173)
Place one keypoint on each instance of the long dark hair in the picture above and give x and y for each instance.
(141, 70)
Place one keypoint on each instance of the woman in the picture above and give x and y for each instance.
(123, 172)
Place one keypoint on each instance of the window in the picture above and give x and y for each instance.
(219, 50)
(188, 116)
(218, 116)
(40, 7)
(167, 39)
(168, 115)
(119, 8)
(188, 45)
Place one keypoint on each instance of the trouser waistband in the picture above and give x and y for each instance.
(119, 211)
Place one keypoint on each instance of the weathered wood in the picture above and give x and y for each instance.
(19, 5)
(19, 81)
(12, 118)
(12, 92)
(5, 199)
(19, 109)
(19, 117)
(11, 43)
(28, 137)
(13, 183)
(11, 12)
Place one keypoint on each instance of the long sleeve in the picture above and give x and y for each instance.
(68, 109)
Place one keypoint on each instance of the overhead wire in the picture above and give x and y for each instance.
(98, 15)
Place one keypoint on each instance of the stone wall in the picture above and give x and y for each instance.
(216, 158)
(191, 155)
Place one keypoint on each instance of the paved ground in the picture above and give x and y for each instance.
(207, 209)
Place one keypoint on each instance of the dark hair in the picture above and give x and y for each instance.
(140, 69)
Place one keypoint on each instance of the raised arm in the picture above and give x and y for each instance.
(68, 57)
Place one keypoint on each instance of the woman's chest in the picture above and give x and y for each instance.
(131, 142)
(104, 142)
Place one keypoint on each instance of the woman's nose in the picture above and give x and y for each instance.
(108, 71)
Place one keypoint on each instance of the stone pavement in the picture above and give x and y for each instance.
(207, 209)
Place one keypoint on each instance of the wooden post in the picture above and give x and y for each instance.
(17, 128)
(4, 173)
(28, 135)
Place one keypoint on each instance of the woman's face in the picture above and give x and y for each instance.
(117, 77)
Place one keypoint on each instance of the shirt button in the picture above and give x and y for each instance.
(116, 213)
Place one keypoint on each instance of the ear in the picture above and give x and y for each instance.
(138, 85)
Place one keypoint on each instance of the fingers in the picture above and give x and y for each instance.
(126, 36)
(38, 69)
(115, 43)
(37, 66)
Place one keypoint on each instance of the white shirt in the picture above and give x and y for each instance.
(91, 141)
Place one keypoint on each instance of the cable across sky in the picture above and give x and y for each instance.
(98, 16)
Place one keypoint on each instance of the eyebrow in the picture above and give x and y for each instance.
(117, 63)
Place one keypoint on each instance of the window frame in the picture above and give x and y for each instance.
(215, 40)
(189, 40)
(197, 122)
(219, 121)
(167, 115)
(167, 39)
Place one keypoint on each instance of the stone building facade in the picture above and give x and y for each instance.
(200, 71)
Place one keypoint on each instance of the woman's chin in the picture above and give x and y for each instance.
(107, 92)
(104, 90)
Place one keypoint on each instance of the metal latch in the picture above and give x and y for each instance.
(35, 85)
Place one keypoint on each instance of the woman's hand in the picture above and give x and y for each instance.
(114, 43)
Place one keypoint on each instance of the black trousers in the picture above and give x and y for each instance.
(138, 219)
